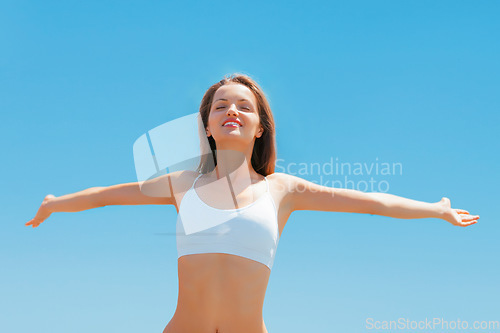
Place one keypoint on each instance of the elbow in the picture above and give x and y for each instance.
(97, 196)
(375, 205)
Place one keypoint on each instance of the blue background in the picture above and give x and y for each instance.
(410, 82)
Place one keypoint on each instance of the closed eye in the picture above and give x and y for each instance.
(222, 107)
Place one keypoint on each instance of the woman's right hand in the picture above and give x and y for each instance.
(42, 214)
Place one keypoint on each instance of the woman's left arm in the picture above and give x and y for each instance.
(403, 208)
(306, 195)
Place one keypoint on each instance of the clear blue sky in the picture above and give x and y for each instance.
(410, 82)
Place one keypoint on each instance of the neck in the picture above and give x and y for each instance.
(237, 164)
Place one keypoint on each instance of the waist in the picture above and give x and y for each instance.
(223, 279)
(182, 322)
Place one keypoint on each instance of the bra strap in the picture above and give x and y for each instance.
(267, 183)
(192, 186)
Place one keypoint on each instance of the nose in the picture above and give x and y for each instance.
(232, 109)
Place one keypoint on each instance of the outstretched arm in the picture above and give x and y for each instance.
(306, 195)
(157, 191)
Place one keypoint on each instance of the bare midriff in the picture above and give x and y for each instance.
(219, 293)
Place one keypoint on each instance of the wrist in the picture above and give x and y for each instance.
(440, 210)
(48, 203)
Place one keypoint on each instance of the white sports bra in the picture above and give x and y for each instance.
(251, 231)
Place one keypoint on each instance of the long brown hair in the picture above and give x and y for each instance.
(264, 149)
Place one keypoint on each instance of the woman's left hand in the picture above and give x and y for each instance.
(458, 217)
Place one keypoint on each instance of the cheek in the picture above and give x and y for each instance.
(211, 119)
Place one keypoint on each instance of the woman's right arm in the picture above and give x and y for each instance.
(157, 191)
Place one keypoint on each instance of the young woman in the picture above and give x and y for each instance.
(233, 209)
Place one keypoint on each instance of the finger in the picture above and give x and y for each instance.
(465, 224)
(468, 217)
(469, 221)
(461, 211)
(30, 222)
(468, 224)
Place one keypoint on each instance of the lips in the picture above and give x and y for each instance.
(232, 120)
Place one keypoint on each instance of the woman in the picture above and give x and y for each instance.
(226, 239)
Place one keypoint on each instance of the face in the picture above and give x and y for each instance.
(234, 102)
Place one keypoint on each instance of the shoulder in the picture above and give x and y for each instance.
(278, 176)
(179, 180)
(282, 185)
(284, 181)
(299, 193)
(183, 179)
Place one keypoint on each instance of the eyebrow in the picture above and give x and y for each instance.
(223, 99)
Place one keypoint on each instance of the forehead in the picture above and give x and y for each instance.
(234, 91)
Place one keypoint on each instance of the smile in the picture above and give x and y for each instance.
(231, 124)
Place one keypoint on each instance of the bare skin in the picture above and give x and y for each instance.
(223, 293)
